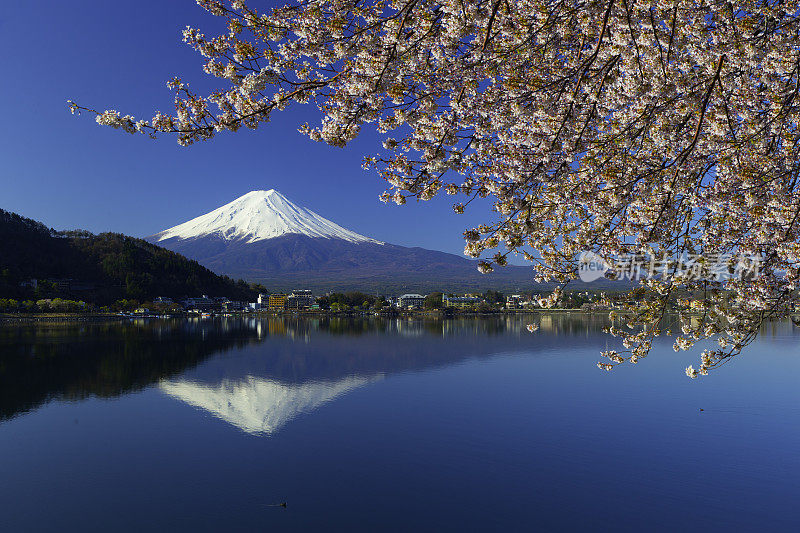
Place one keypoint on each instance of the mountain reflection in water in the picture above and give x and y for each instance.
(282, 366)
(370, 424)
(258, 374)
(260, 406)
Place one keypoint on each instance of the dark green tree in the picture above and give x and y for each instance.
(433, 301)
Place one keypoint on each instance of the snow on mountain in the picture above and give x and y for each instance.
(264, 237)
(258, 216)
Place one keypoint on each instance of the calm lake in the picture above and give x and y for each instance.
(398, 424)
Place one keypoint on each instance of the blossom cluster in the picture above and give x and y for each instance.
(620, 127)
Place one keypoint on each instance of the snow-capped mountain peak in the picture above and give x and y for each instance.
(261, 215)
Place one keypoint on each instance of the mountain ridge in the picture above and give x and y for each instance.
(263, 236)
(109, 266)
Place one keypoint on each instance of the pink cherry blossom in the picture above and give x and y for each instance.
(612, 126)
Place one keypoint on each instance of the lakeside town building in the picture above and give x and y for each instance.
(410, 301)
(304, 300)
(461, 302)
(277, 302)
(300, 299)
(514, 301)
(201, 304)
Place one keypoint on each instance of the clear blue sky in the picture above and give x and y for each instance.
(70, 173)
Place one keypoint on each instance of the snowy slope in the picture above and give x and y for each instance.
(264, 237)
(258, 216)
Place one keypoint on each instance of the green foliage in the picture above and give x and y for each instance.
(162, 307)
(433, 301)
(45, 305)
(109, 267)
(484, 307)
(343, 301)
(57, 305)
(380, 303)
(124, 305)
(575, 299)
(494, 297)
(9, 305)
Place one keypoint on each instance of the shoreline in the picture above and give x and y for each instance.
(10, 319)
(27, 318)
(22, 318)
(13, 318)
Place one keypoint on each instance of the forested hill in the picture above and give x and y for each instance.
(99, 268)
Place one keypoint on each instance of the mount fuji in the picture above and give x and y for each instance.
(263, 236)
(259, 216)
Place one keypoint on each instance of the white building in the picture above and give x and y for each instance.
(300, 299)
(410, 301)
(514, 301)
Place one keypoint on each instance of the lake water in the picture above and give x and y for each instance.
(404, 425)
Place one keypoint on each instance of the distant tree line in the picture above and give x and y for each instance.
(344, 301)
(110, 267)
(45, 305)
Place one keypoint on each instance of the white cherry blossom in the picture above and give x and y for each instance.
(612, 126)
